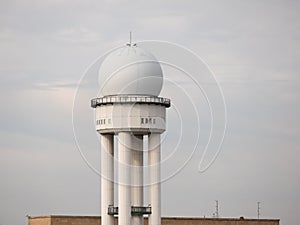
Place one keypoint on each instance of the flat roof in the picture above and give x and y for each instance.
(169, 217)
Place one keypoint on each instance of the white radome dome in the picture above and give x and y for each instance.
(130, 70)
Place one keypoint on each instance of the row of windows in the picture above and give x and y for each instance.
(103, 121)
(143, 121)
(148, 120)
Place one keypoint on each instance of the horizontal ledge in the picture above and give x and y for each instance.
(128, 99)
(143, 131)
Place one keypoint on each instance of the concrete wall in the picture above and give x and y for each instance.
(95, 220)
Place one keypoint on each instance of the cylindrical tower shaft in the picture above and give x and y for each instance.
(154, 178)
(107, 177)
(137, 177)
(124, 188)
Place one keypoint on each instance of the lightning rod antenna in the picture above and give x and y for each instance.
(258, 210)
(217, 208)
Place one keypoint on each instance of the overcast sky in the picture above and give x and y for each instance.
(253, 49)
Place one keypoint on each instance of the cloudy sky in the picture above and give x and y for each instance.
(251, 46)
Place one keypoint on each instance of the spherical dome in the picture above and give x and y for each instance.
(130, 70)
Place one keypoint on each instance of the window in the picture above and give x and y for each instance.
(148, 120)
(109, 121)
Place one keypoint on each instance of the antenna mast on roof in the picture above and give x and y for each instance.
(130, 38)
(217, 208)
(258, 210)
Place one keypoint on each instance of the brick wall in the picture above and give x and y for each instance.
(95, 220)
(41, 220)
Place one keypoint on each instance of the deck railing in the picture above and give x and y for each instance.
(130, 99)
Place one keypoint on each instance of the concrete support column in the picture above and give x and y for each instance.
(124, 187)
(137, 177)
(107, 177)
(154, 179)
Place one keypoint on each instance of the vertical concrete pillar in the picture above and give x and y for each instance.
(137, 177)
(124, 187)
(154, 179)
(107, 177)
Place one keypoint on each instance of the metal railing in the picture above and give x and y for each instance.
(140, 210)
(112, 210)
(130, 99)
(135, 210)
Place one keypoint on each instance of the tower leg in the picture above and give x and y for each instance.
(137, 177)
(154, 179)
(107, 177)
(124, 187)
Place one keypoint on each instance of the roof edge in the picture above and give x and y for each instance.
(165, 217)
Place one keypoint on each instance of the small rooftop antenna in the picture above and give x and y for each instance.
(217, 209)
(130, 40)
(130, 37)
(258, 210)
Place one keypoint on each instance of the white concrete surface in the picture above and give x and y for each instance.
(137, 177)
(124, 181)
(127, 117)
(107, 177)
(154, 158)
